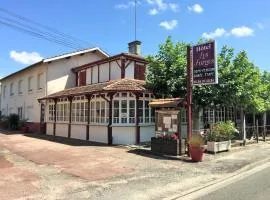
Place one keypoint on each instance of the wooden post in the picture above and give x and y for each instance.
(70, 112)
(138, 136)
(264, 126)
(110, 139)
(88, 117)
(54, 124)
(123, 61)
(189, 96)
(244, 129)
(257, 131)
(253, 125)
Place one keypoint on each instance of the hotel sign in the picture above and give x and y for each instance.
(204, 64)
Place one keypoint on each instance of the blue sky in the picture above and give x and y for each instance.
(109, 24)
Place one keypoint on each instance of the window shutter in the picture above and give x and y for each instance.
(82, 78)
(139, 72)
(142, 72)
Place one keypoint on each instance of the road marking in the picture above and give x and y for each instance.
(215, 185)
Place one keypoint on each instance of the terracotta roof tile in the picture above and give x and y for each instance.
(110, 86)
(167, 103)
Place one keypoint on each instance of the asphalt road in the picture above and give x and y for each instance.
(255, 186)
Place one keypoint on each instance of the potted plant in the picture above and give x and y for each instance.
(220, 135)
(196, 148)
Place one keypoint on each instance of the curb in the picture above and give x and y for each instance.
(238, 173)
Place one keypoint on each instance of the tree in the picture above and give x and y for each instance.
(240, 81)
(167, 70)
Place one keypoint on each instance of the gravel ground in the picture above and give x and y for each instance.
(32, 168)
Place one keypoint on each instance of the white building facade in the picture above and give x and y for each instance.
(21, 89)
(110, 103)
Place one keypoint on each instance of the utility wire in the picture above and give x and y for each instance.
(36, 34)
(41, 25)
(12, 23)
(21, 23)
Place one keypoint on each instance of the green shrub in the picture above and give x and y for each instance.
(222, 131)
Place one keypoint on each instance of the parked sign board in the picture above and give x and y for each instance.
(204, 64)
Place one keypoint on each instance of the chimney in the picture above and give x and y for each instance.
(134, 47)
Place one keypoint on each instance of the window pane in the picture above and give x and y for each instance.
(115, 111)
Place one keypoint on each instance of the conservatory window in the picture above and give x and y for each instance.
(99, 111)
(51, 111)
(132, 111)
(124, 111)
(146, 111)
(115, 111)
(92, 113)
(79, 110)
(230, 114)
(140, 111)
(102, 112)
(220, 114)
(62, 110)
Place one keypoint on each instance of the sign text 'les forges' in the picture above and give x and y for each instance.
(204, 64)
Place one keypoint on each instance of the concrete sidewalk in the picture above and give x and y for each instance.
(33, 168)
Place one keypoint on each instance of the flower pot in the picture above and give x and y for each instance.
(196, 153)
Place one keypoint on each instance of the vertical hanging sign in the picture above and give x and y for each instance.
(204, 64)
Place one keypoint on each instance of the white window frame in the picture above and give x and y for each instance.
(132, 120)
(98, 101)
(76, 110)
(20, 112)
(62, 110)
(11, 89)
(39, 81)
(123, 96)
(30, 84)
(151, 115)
(20, 87)
(51, 113)
(4, 91)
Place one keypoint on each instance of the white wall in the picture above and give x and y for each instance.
(61, 130)
(98, 133)
(146, 133)
(104, 72)
(78, 131)
(49, 128)
(95, 74)
(28, 99)
(61, 77)
(88, 76)
(129, 72)
(115, 70)
(124, 135)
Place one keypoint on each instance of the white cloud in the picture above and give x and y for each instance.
(260, 25)
(161, 5)
(169, 25)
(174, 7)
(219, 32)
(197, 8)
(25, 57)
(242, 31)
(125, 5)
(153, 11)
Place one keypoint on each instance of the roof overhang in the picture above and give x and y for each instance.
(96, 49)
(126, 56)
(167, 103)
